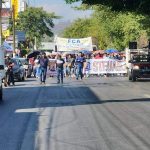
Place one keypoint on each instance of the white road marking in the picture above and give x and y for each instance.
(147, 95)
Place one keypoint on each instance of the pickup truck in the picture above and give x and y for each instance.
(139, 67)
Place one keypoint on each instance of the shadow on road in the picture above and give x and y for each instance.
(53, 96)
(56, 96)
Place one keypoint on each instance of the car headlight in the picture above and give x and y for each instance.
(136, 67)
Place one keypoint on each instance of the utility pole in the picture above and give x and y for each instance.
(0, 22)
(13, 16)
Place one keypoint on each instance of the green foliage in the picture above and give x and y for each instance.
(78, 29)
(140, 6)
(24, 52)
(109, 28)
(36, 23)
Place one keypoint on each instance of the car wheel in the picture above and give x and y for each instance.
(129, 76)
(23, 78)
(133, 77)
(20, 78)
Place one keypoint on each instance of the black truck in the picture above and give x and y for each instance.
(139, 65)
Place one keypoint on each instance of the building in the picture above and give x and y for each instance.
(47, 46)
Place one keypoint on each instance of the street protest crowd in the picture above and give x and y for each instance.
(73, 65)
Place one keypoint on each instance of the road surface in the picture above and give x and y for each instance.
(94, 114)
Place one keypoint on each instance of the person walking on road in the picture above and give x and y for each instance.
(10, 74)
(43, 61)
(60, 68)
(79, 64)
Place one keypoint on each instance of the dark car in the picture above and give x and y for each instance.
(26, 66)
(18, 69)
(139, 67)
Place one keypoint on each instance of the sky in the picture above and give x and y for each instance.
(61, 9)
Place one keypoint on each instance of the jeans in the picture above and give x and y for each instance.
(60, 74)
(38, 71)
(69, 71)
(43, 74)
(79, 70)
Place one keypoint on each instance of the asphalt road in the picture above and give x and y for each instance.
(94, 114)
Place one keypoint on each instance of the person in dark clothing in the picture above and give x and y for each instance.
(10, 74)
(43, 61)
(60, 68)
(79, 64)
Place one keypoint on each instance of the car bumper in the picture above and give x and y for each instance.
(142, 73)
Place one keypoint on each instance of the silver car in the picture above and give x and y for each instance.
(26, 66)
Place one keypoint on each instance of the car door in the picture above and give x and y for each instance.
(22, 70)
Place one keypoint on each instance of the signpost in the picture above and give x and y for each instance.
(15, 15)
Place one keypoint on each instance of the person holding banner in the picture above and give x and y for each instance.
(79, 64)
(60, 68)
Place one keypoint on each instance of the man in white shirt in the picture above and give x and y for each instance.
(60, 66)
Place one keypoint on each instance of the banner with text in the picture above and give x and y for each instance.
(101, 66)
(51, 69)
(66, 44)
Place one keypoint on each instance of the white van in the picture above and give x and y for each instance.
(2, 71)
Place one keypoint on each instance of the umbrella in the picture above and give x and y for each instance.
(86, 52)
(33, 54)
(111, 51)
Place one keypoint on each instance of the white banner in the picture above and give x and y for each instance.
(51, 69)
(65, 44)
(101, 66)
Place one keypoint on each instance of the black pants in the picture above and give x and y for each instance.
(10, 78)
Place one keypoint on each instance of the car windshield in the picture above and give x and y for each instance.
(141, 58)
(24, 61)
(14, 61)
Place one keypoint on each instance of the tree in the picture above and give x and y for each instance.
(110, 29)
(36, 23)
(79, 29)
(140, 6)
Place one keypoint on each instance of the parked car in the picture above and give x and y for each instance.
(18, 69)
(26, 66)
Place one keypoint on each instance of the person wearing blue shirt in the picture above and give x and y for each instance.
(79, 64)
